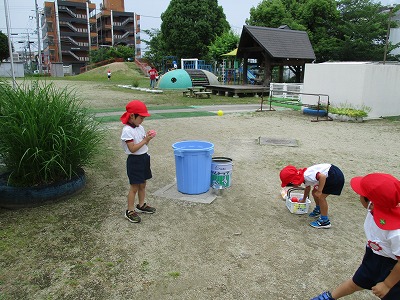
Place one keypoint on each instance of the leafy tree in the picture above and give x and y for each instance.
(320, 18)
(105, 53)
(190, 26)
(225, 43)
(362, 30)
(338, 30)
(156, 46)
(317, 17)
(4, 51)
(273, 13)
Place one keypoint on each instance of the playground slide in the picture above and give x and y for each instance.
(250, 75)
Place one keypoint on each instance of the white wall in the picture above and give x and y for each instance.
(5, 69)
(394, 38)
(356, 83)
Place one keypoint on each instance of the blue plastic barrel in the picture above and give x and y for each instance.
(193, 166)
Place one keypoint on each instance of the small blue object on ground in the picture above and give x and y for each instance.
(315, 112)
(324, 296)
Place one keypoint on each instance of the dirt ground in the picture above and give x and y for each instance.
(246, 244)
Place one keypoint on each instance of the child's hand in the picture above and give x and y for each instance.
(152, 133)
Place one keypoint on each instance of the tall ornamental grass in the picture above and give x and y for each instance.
(45, 135)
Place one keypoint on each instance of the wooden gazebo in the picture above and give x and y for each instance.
(275, 47)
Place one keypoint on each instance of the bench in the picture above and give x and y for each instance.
(198, 94)
(185, 93)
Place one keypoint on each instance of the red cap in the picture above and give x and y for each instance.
(134, 107)
(383, 190)
(290, 174)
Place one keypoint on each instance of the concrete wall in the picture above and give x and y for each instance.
(394, 38)
(57, 70)
(5, 69)
(356, 83)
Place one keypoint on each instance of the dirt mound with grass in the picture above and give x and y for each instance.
(118, 69)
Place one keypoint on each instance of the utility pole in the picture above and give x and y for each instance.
(38, 36)
(30, 52)
(387, 33)
(9, 43)
(58, 32)
(112, 29)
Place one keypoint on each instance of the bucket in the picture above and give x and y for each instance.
(193, 166)
(221, 172)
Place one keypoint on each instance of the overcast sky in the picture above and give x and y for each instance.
(23, 20)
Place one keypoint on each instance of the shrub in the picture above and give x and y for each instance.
(348, 110)
(135, 82)
(45, 136)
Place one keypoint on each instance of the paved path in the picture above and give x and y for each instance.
(227, 108)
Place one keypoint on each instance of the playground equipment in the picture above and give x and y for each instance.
(194, 63)
(183, 79)
(168, 63)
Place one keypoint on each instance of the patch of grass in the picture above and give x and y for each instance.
(349, 110)
(174, 274)
(118, 109)
(156, 116)
(283, 102)
(144, 266)
(393, 118)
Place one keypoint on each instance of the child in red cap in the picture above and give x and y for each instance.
(380, 267)
(326, 179)
(134, 142)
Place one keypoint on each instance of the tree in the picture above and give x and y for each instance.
(4, 51)
(225, 43)
(338, 30)
(273, 13)
(105, 53)
(320, 18)
(156, 48)
(189, 26)
(362, 30)
(317, 17)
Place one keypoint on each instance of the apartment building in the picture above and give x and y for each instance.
(70, 29)
(69, 32)
(116, 27)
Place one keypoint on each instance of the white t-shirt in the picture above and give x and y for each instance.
(311, 173)
(382, 242)
(136, 134)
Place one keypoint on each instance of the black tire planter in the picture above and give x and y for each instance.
(315, 112)
(21, 197)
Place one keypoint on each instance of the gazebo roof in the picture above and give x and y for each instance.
(277, 43)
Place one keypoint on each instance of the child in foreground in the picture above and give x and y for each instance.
(380, 267)
(134, 142)
(324, 179)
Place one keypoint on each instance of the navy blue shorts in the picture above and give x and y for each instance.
(373, 269)
(334, 182)
(138, 168)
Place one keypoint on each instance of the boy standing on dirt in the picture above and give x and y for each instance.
(153, 75)
(134, 142)
(380, 268)
(325, 180)
(108, 74)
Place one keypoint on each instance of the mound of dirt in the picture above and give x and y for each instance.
(126, 68)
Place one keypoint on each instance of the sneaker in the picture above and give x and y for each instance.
(321, 223)
(145, 209)
(324, 296)
(132, 216)
(315, 213)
